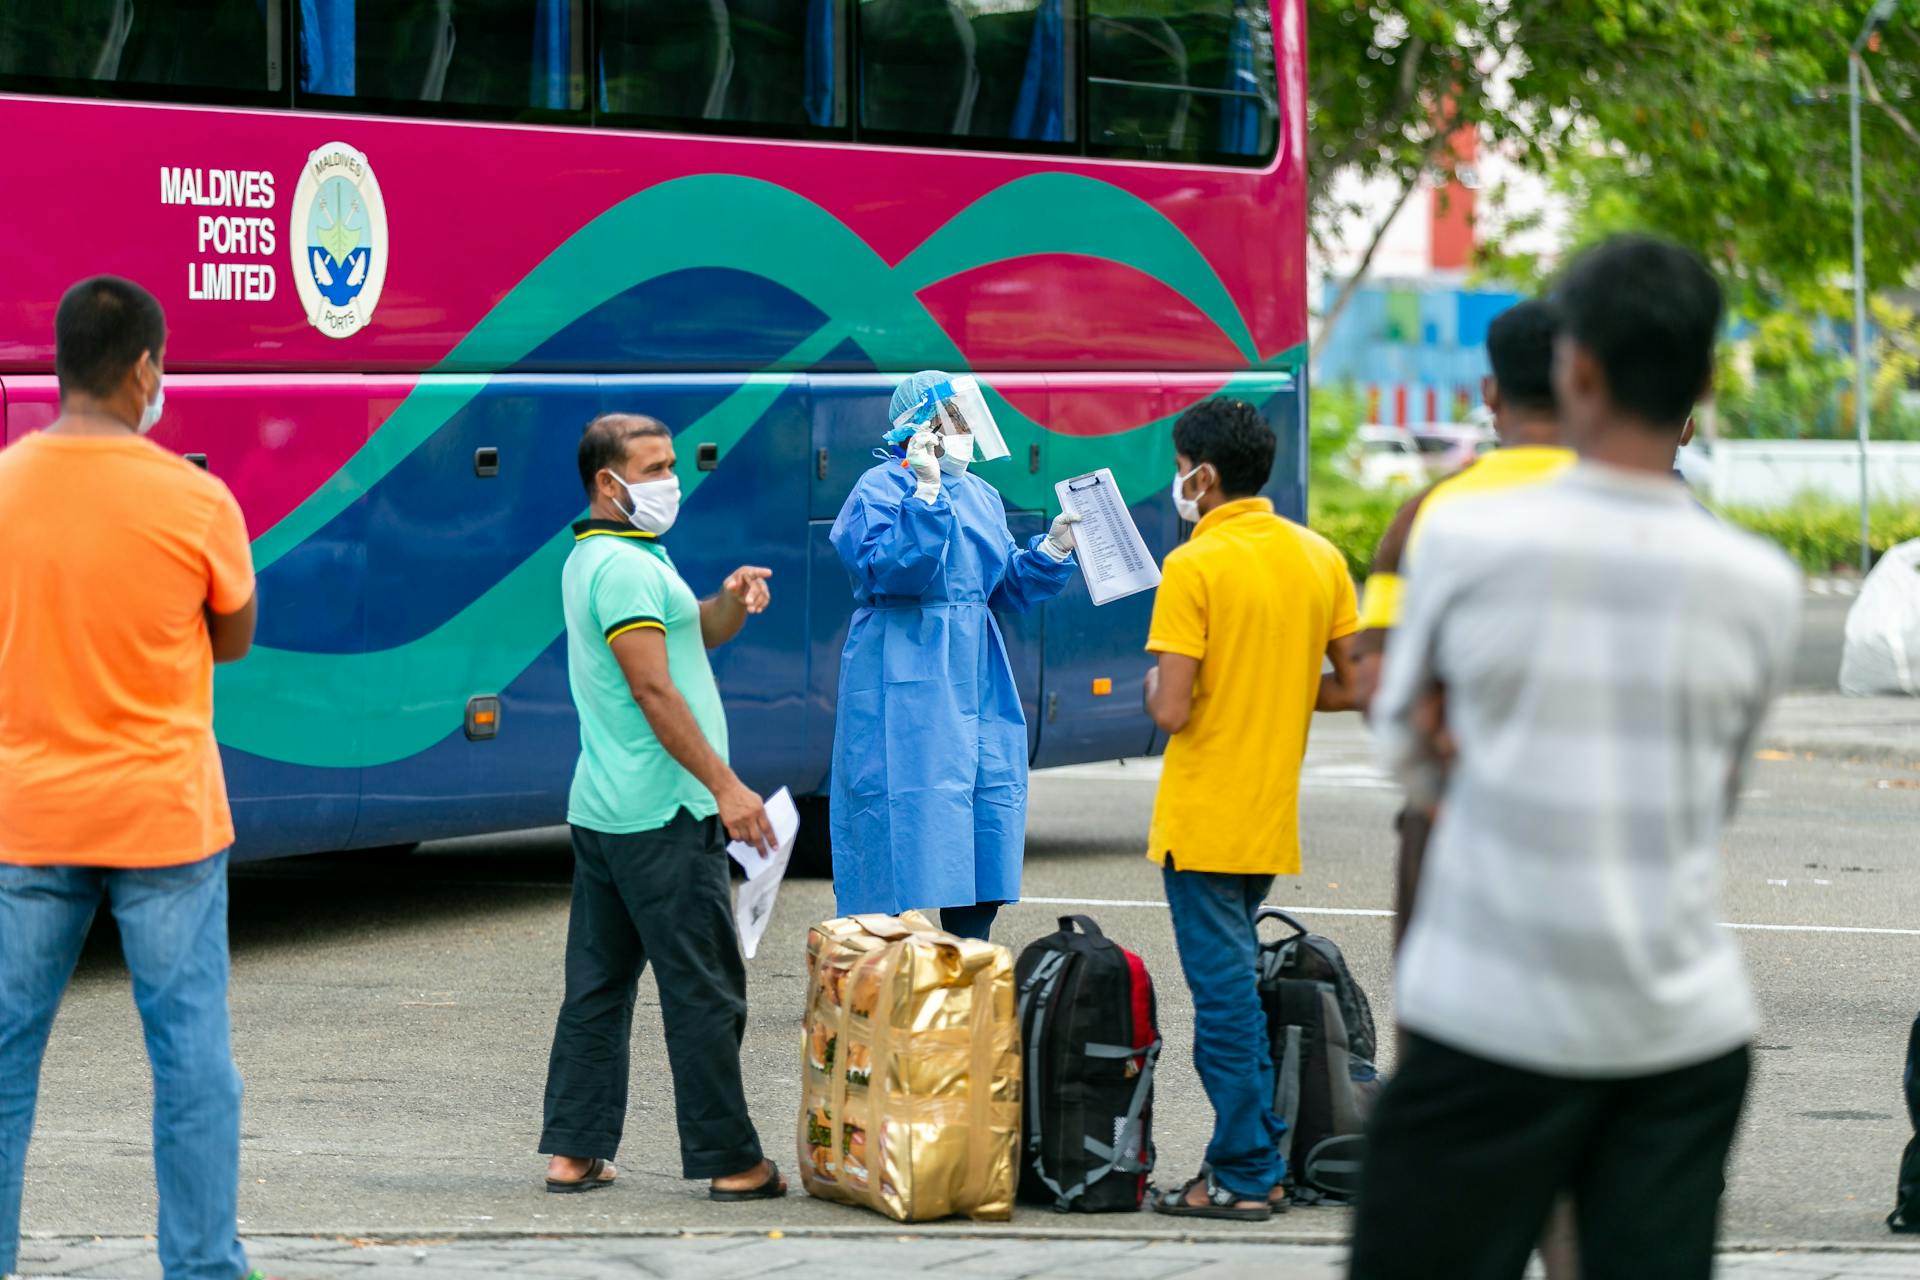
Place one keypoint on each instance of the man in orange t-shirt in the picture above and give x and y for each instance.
(110, 784)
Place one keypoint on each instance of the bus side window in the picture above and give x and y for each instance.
(789, 62)
(777, 64)
(664, 59)
(1197, 84)
(990, 69)
(187, 49)
(506, 58)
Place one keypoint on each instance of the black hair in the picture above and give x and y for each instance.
(1231, 435)
(102, 328)
(1648, 311)
(603, 444)
(1520, 347)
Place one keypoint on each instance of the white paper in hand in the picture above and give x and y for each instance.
(1113, 556)
(753, 904)
(786, 827)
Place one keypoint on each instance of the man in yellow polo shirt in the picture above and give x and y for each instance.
(1519, 393)
(1248, 612)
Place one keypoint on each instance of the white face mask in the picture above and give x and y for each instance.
(150, 417)
(1189, 508)
(656, 504)
(957, 453)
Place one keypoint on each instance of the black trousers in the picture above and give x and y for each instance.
(660, 896)
(1465, 1158)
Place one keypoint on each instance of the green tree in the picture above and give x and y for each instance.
(1388, 84)
(1725, 127)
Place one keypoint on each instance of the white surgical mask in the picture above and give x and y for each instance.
(656, 504)
(1189, 508)
(150, 416)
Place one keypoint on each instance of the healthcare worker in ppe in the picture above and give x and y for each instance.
(929, 787)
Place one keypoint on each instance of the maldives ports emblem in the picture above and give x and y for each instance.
(339, 239)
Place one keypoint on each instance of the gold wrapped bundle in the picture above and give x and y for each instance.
(910, 1093)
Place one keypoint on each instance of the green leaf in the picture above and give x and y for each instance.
(337, 238)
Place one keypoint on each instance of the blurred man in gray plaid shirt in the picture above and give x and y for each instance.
(1579, 1020)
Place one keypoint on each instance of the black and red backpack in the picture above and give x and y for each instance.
(1090, 1033)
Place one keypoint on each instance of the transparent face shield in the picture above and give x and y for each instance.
(954, 409)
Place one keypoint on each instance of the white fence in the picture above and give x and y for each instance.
(1772, 473)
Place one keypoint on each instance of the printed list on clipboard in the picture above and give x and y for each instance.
(1113, 556)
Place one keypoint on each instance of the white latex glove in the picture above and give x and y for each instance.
(926, 467)
(1060, 541)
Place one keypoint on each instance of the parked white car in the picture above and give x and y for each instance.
(1383, 457)
(1695, 464)
(1447, 447)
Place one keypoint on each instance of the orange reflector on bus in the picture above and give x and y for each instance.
(483, 718)
(1102, 687)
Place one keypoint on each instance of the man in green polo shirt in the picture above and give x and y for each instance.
(652, 796)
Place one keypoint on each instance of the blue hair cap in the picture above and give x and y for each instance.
(912, 391)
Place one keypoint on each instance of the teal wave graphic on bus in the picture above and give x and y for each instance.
(746, 225)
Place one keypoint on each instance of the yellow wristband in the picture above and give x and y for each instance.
(1380, 601)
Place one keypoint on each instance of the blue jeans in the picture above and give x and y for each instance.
(173, 930)
(1213, 928)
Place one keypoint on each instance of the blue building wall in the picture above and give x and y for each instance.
(1418, 336)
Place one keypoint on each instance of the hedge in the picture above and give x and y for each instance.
(1821, 536)
(1353, 522)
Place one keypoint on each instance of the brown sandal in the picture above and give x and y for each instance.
(1221, 1203)
(769, 1188)
(590, 1181)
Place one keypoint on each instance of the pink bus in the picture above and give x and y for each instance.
(408, 248)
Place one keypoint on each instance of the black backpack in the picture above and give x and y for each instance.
(1090, 1033)
(1321, 1035)
(1905, 1217)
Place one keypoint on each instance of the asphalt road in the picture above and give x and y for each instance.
(1823, 621)
(393, 1018)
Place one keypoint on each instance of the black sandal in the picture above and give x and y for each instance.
(592, 1181)
(1221, 1203)
(769, 1189)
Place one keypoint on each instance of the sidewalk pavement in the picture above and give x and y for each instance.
(1881, 730)
(972, 1253)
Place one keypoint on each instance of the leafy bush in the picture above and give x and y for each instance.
(1352, 519)
(1334, 413)
(1820, 536)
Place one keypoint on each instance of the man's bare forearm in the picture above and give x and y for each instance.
(673, 723)
(1334, 695)
(721, 618)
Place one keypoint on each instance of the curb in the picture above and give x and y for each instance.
(963, 1230)
(427, 1236)
(1845, 751)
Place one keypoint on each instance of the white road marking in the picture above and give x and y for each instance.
(1146, 769)
(1378, 913)
(1142, 902)
(1354, 777)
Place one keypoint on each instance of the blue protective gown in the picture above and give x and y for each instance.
(929, 788)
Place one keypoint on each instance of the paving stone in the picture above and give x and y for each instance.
(665, 1257)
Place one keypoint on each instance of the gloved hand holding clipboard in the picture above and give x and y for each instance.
(1113, 556)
